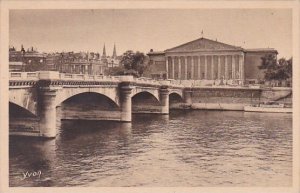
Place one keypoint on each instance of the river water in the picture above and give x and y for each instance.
(185, 148)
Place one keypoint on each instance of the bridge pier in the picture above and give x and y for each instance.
(164, 100)
(47, 113)
(126, 102)
(188, 96)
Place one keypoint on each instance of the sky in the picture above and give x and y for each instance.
(145, 29)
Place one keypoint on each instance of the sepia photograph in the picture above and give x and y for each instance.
(150, 97)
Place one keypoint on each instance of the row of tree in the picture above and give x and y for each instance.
(132, 63)
(274, 69)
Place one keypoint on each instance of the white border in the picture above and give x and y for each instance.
(7, 5)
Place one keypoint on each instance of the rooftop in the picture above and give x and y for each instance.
(155, 52)
(261, 50)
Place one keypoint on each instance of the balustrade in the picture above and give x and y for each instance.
(53, 75)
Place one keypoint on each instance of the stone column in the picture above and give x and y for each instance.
(188, 95)
(125, 101)
(192, 67)
(233, 66)
(242, 71)
(179, 67)
(86, 69)
(173, 70)
(212, 68)
(226, 68)
(205, 67)
(164, 99)
(219, 67)
(167, 68)
(185, 67)
(47, 113)
(199, 69)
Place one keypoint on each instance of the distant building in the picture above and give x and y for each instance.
(65, 62)
(82, 62)
(75, 63)
(209, 60)
(110, 61)
(18, 59)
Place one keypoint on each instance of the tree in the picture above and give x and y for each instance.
(276, 70)
(289, 67)
(134, 63)
(115, 71)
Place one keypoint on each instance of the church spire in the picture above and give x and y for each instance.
(104, 52)
(114, 52)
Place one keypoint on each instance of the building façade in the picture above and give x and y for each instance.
(209, 61)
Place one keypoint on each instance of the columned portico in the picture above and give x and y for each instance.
(207, 62)
(214, 61)
(217, 67)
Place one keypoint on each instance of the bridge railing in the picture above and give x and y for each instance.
(23, 76)
(144, 80)
(85, 77)
(88, 77)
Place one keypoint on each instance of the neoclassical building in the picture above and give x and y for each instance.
(205, 59)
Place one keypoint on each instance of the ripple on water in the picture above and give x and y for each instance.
(188, 148)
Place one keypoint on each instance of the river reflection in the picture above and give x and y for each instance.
(185, 148)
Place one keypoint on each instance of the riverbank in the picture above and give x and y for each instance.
(225, 107)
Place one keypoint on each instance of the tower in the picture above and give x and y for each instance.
(114, 56)
(104, 52)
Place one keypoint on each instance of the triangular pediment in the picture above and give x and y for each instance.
(203, 44)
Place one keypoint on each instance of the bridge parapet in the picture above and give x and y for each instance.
(23, 77)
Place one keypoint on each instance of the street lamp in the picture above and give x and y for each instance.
(22, 55)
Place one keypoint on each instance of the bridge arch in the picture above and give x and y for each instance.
(175, 97)
(145, 96)
(153, 92)
(65, 95)
(89, 97)
(25, 98)
(145, 102)
(18, 111)
(176, 92)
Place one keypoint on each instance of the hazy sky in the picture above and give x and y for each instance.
(143, 29)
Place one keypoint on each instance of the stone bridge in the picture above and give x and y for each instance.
(38, 97)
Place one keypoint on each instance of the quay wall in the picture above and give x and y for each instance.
(240, 95)
(233, 98)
